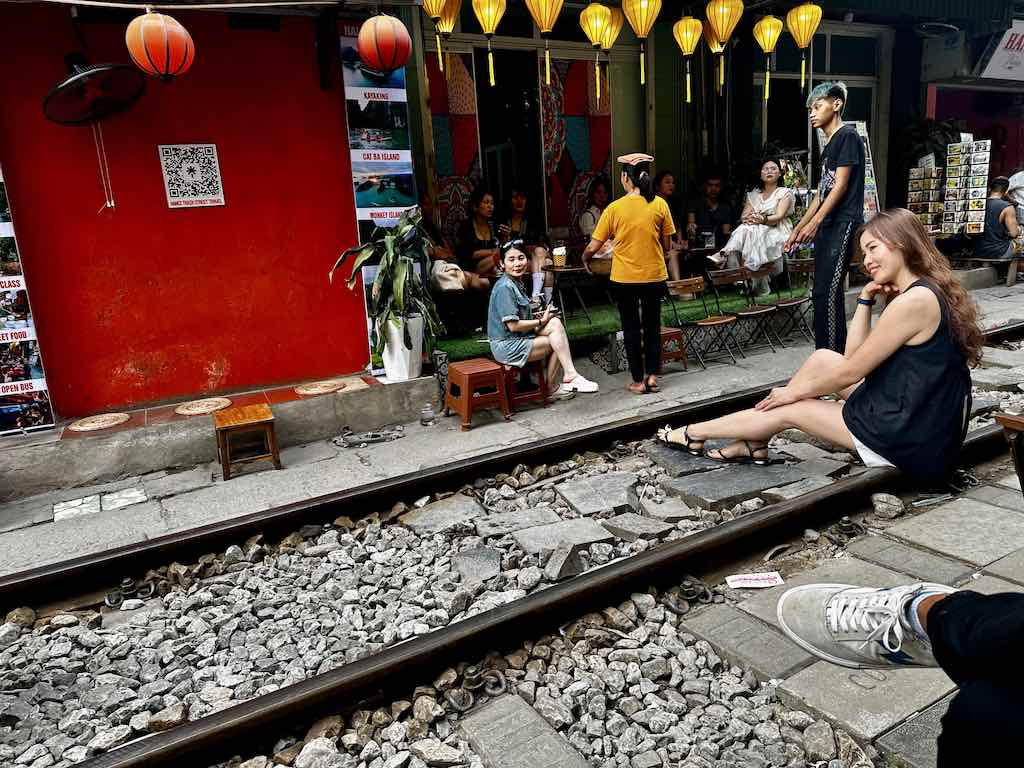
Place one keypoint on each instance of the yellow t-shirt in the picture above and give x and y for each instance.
(637, 227)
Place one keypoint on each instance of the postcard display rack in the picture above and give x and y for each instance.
(951, 200)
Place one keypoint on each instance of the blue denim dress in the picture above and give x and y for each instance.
(509, 302)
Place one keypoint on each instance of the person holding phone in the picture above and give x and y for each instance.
(517, 336)
(641, 224)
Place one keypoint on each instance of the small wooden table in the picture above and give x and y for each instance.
(238, 421)
(569, 277)
(1013, 429)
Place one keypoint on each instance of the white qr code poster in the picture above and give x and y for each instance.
(191, 175)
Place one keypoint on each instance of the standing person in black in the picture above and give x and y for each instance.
(834, 214)
(711, 213)
(1001, 226)
(903, 387)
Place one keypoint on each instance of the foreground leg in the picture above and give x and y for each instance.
(820, 418)
(555, 333)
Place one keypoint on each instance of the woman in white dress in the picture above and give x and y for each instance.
(765, 226)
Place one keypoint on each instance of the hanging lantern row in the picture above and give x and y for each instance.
(594, 19)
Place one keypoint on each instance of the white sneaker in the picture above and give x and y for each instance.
(580, 384)
(857, 627)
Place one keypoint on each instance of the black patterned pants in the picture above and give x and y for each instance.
(833, 250)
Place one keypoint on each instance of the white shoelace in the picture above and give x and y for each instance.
(877, 613)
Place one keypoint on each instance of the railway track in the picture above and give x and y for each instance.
(217, 736)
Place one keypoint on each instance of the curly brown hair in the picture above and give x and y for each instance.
(900, 229)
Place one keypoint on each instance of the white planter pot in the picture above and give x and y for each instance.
(401, 364)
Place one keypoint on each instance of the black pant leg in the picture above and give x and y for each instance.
(833, 250)
(651, 312)
(977, 641)
(628, 299)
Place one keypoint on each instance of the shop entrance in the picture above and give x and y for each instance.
(510, 130)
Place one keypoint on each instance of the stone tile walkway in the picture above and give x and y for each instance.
(965, 543)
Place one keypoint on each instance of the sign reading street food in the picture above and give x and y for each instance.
(24, 399)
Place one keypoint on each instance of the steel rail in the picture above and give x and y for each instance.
(101, 570)
(386, 674)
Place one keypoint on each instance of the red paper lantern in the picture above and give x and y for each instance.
(384, 44)
(159, 45)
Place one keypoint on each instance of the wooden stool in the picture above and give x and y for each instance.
(246, 419)
(1013, 429)
(472, 385)
(673, 345)
(538, 395)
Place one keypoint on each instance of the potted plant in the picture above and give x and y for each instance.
(401, 309)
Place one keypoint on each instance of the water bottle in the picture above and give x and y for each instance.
(427, 415)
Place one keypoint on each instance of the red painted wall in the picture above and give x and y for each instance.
(146, 303)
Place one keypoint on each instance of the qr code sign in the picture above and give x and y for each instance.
(191, 175)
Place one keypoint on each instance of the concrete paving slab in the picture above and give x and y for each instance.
(741, 638)
(121, 499)
(477, 564)
(583, 530)
(997, 357)
(630, 526)
(443, 515)
(87, 505)
(308, 453)
(990, 585)
(823, 467)
(925, 566)
(864, 702)
(500, 523)
(1010, 567)
(597, 493)
(1009, 480)
(25, 512)
(913, 744)
(844, 570)
(998, 379)
(58, 541)
(730, 485)
(997, 495)
(668, 511)
(678, 463)
(965, 529)
(807, 452)
(799, 488)
(509, 733)
(178, 482)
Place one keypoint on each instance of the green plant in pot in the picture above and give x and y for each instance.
(401, 309)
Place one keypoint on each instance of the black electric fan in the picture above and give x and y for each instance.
(92, 92)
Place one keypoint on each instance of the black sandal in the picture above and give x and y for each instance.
(688, 446)
(750, 458)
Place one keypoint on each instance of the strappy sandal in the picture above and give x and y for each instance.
(655, 387)
(750, 458)
(689, 446)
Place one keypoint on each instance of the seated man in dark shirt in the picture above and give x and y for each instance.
(711, 213)
(996, 241)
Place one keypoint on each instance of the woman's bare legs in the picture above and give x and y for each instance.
(542, 349)
(674, 272)
(540, 260)
(472, 281)
(554, 333)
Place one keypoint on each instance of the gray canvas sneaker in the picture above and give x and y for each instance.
(857, 627)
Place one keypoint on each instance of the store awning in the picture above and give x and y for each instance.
(978, 16)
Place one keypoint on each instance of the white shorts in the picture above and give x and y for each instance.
(869, 457)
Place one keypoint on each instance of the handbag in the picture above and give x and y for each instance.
(445, 276)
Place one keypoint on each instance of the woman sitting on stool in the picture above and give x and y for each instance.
(904, 388)
(766, 226)
(517, 337)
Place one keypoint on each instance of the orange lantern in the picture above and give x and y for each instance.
(383, 44)
(159, 45)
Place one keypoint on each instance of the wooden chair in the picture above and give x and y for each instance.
(712, 325)
(761, 316)
(1013, 429)
(794, 310)
(726, 334)
(514, 376)
(246, 419)
(475, 384)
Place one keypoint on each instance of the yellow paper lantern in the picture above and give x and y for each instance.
(687, 32)
(723, 16)
(767, 31)
(450, 11)
(611, 32)
(802, 23)
(641, 15)
(433, 9)
(594, 19)
(545, 14)
(716, 47)
(489, 13)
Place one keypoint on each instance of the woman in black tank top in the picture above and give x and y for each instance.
(904, 387)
